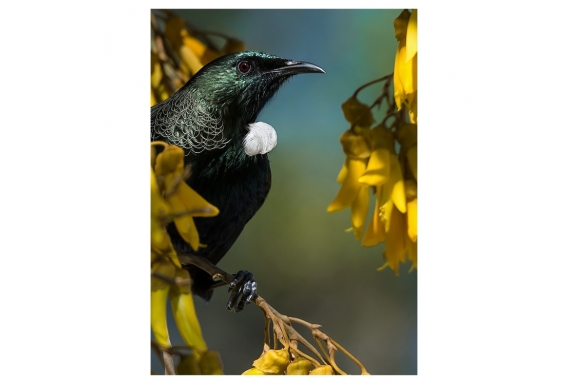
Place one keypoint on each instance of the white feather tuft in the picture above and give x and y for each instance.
(260, 139)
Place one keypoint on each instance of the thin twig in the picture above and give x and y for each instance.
(362, 368)
(370, 83)
(168, 363)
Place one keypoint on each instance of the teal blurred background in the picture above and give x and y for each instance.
(304, 262)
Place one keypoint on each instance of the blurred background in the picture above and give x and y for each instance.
(304, 262)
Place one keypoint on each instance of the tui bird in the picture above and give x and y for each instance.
(211, 117)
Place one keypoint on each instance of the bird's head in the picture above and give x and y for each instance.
(240, 84)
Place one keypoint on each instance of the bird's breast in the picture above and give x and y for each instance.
(238, 188)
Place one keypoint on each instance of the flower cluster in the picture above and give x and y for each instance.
(382, 159)
(279, 362)
(178, 51)
(290, 360)
(173, 200)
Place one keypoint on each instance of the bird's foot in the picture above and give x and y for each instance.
(243, 290)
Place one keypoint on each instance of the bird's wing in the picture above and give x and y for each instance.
(183, 121)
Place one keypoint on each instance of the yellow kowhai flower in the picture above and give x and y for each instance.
(182, 305)
(394, 220)
(406, 63)
(182, 201)
(372, 164)
(352, 192)
(160, 245)
(173, 200)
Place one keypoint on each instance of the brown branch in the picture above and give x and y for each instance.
(165, 355)
(168, 363)
(173, 281)
(282, 329)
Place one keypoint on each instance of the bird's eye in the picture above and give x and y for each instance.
(244, 67)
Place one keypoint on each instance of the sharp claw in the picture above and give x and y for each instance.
(243, 289)
(247, 288)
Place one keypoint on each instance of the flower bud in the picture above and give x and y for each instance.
(401, 24)
(356, 112)
(325, 370)
(354, 145)
(299, 365)
(273, 361)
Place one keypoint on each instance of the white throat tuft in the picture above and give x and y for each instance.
(260, 139)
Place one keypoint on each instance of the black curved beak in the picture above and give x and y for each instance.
(297, 67)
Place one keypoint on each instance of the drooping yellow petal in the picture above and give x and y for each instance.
(412, 252)
(375, 232)
(407, 70)
(158, 316)
(184, 223)
(342, 174)
(399, 95)
(185, 203)
(395, 250)
(412, 219)
(159, 240)
(378, 168)
(350, 187)
(398, 194)
(359, 211)
(412, 36)
(187, 229)
(194, 202)
(413, 107)
(386, 206)
(185, 316)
